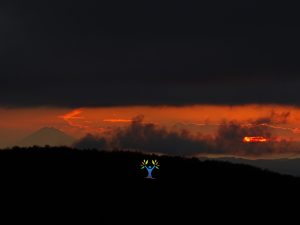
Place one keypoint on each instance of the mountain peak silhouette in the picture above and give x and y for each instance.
(47, 136)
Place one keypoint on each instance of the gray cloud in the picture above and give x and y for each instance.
(273, 118)
(152, 138)
(92, 142)
(230, 135)
(146, 137)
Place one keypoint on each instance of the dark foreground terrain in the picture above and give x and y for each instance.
(67, 178)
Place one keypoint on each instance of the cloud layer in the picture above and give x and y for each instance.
(100, 54)
(140, 136)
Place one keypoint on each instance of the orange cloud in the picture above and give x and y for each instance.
(73, 115)
(74, 118)
(283, 121)
(117, 120)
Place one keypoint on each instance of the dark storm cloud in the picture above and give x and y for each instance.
(149, 137)
(146, 137)
(75, 53)
(90, 142)
(273, 118)
(230, 135)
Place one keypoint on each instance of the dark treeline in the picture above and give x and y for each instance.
(93, 169)
(90, 179)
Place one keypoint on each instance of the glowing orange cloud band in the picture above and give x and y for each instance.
(117, 120)
(254, 139)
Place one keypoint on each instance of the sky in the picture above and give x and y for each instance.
(93, 66)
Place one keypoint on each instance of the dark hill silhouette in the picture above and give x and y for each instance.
(85, 183)
(101, 169)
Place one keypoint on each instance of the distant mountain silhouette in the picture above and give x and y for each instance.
(47, 136)
(281, 165)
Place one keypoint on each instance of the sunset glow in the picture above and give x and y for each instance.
(282, 122)
(117, 120)
(255, 139)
